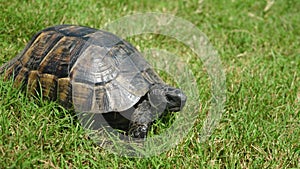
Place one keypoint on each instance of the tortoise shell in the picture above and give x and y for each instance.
(90, 69)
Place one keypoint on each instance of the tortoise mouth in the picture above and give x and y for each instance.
(177, 102)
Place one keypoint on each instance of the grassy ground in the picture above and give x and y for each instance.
(258, 43)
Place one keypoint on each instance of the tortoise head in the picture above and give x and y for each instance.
(166, 98)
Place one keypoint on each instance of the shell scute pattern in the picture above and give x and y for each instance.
(99, 70)
(97, 74)
(57, 61)
(82, 66)
(88, 68)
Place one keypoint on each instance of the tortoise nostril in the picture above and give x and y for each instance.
(93, 72)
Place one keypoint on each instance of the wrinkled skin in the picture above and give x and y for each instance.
(160, 99)
(104, 78)
(137, 120)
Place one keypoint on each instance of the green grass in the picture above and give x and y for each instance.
(259, 48)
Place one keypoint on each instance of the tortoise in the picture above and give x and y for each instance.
(94, 71)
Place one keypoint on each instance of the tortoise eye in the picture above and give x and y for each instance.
(93, 72)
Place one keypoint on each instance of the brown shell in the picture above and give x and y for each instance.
(90, 69)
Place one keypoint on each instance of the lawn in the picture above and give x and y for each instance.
(257, 43)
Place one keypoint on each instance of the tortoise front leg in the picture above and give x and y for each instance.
(141, 120)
